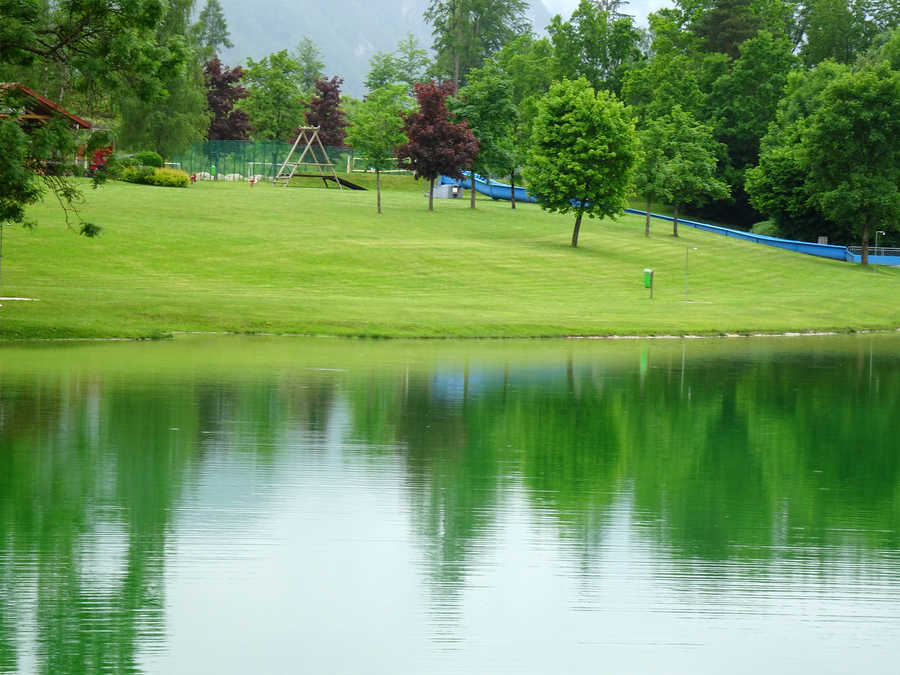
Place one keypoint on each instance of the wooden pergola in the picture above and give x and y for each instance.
(31, 109)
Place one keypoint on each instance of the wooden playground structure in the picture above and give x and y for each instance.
(312, 162)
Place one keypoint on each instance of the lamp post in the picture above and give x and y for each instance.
(687, 250)
(877, 232)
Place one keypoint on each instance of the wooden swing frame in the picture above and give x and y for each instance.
(318, 158)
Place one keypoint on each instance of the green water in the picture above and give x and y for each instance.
(253, 505)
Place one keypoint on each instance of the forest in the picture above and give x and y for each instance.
(778, 115)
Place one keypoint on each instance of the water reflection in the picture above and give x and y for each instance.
(708, 480)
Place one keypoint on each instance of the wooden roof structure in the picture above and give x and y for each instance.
(33, 109)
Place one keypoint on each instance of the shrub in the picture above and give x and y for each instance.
(147, 175)
(169, 178)
(149, 158)
(766, 227)
(112, 169)
(137, 174)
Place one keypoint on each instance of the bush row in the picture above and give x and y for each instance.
(148, 175)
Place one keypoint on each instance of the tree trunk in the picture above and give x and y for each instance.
(577, 228)
(472, 187)
(675, 223)
(378, 188)
(865, 242)
(647, 222)
(431, 196)
(512, 187)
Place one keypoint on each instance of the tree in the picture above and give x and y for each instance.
(726, 24)
(594, 44)
(324, 111)
(406, 64)
(671, 77)
(689, 162)
(222, 93)
(526, 64)
(179, 116)
(649, 179)
(105, 42)
(743, 101)
(308, 56)
(584, 151)
(383, 71)
(778, 186)
(437, 146)
(850, 150)
(840, 29)
(485, 104)
(211, 29)
(377, 129)
(273, 101)
(467, 31)
(90, 45)
(411, 60)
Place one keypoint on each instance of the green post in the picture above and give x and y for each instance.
(648, 281)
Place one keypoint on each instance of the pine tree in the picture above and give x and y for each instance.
(211, 29)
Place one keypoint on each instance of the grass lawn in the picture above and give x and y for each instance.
(228, 257)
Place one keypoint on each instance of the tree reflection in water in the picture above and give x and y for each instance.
(739, 460)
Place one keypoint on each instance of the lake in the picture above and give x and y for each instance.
(292, 505)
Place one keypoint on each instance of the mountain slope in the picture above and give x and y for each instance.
(348, 32)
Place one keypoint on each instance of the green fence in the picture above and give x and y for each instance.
(239, 160)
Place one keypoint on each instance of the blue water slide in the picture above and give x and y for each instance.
(832, 251)
(497, 190)
(491, 188)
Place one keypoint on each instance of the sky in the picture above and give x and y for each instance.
(637, 8)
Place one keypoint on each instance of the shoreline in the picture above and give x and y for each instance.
(687, 336)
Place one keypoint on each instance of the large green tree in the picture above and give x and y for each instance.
(179, 116)
(584, 151)
(843, 29)
(96, 49)
(274, 87)
(740, 106)
(850, 150)
(671, 77)
(467, 31)
(777, 186)
(595, 44)
(743, 101)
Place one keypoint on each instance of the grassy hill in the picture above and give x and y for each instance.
(228, 257)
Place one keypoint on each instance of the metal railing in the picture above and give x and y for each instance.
(881, 250)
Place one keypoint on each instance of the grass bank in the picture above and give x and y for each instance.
(228, 257)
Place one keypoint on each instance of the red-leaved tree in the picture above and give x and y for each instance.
(437, 146)
(222, 92)
(324, 111)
